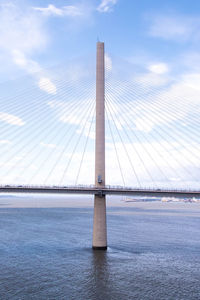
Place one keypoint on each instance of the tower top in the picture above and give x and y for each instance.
(100, 43)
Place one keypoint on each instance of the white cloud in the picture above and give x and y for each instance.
(88, 129)
(20, 29)
(169, 104)
(5, 142)
(70, 119)
(143, 124)
(16, 158)
(22, 33)
(106, 5)
(163, 160)
(11, 119)
(77, 72)
(47, 85)
(108, 62)
(176, 27)
(62, 111)
(66, 115)
(186, 91)
(150, 80)
(159, 68)
(156, 100)
(192, 80)
(35, 69)
(22, 61)
(51, 10)
(48, 145)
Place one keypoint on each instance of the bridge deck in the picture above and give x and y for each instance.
(108, 190)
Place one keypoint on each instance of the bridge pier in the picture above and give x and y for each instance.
(99, 223)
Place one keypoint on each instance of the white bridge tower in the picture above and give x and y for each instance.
(99, 225)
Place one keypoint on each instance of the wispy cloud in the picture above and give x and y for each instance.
(106, 5)
(51, 10)
(175, 27)
(11, 119)
(20, 29)
(22, 34)
(22, 61)
(75, 11)
(32, 67)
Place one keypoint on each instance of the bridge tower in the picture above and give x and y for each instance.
(99, 222)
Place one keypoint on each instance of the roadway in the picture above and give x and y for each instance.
(108, 190)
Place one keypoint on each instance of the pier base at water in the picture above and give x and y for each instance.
(99, 224)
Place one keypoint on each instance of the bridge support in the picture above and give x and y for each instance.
(99, 224)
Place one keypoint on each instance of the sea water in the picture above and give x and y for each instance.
(153, 253)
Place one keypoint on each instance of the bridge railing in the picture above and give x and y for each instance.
(93, 187)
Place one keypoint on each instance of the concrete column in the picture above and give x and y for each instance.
(99, 224)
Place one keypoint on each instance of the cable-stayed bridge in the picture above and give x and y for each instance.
(145, 128)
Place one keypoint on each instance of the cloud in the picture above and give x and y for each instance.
(20, 29)
(163, 160)
(5, 142)
(51, 10)
(63, 113)
(22, 61)
(176, 102)
(157, 101)
(47, 85)
(159, 68)
(74, 117)
(88, 129)
(77, 72)
(108, 62)
(48, 145)
(176, 27)
(36, 70)
(11, 119)
(70, 119)
(22, 34)
(106, 5)
(191, 80)
(66, 113)
(149, 80)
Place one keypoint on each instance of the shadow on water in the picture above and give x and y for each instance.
(101, 282)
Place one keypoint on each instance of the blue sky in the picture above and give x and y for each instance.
(47, 57)
(48, 32)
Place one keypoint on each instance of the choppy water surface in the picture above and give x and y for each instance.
(45, 253)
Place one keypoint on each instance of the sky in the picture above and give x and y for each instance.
(47, 79)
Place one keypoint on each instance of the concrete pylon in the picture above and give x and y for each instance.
(99, 223)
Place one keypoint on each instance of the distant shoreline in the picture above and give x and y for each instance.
(50, 201)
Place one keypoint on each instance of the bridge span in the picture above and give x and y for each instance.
(133, 113)
(95, 190)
